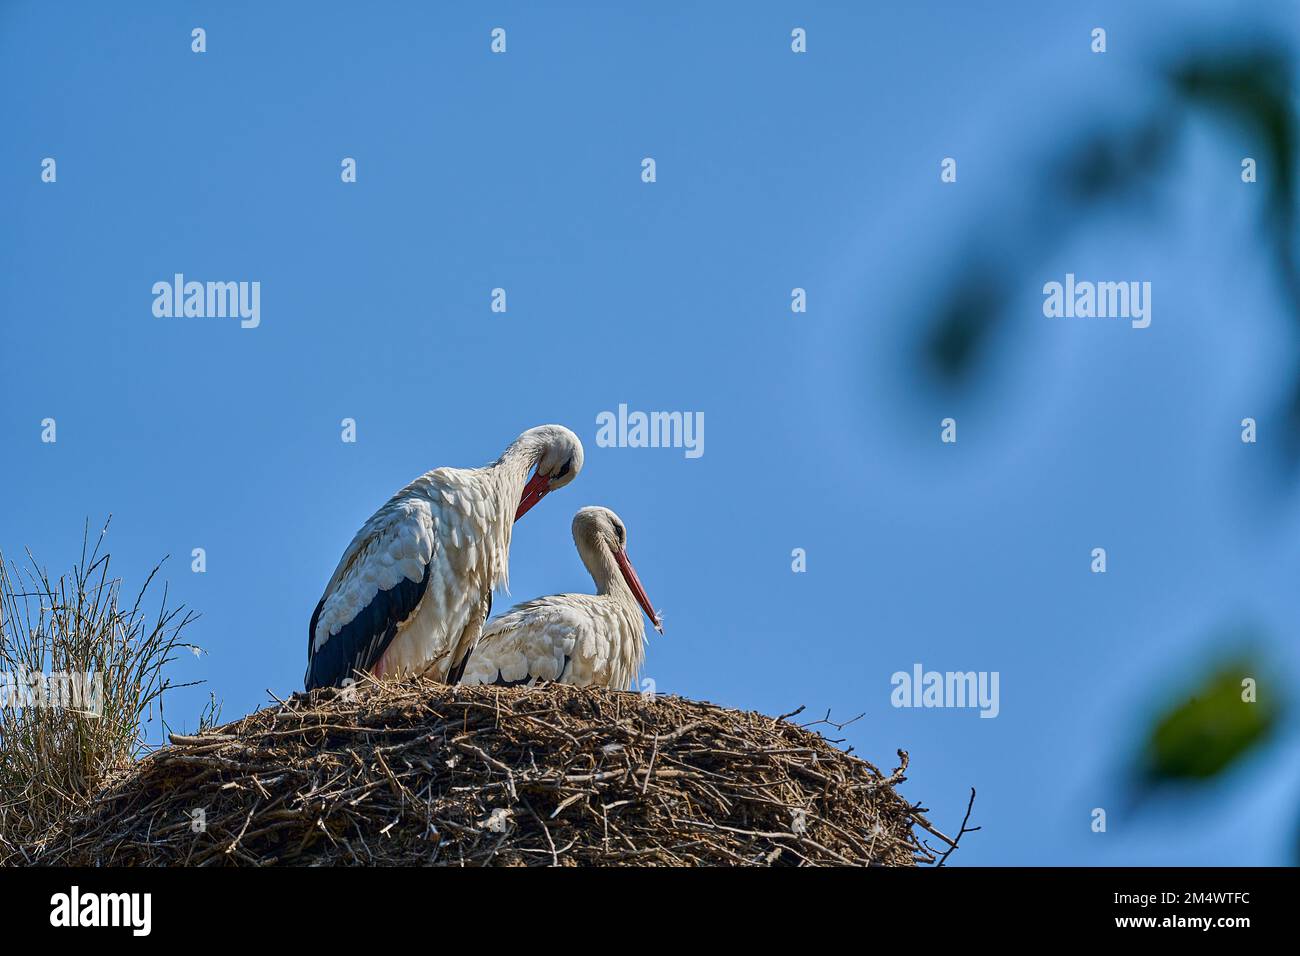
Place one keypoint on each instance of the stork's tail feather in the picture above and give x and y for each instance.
(457, 671)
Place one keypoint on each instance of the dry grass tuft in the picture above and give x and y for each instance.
(80, 672)
(421, 773)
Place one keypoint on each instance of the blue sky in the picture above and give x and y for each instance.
(774, 170)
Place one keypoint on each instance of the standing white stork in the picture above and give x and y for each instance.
(581, 639)
(414, 587)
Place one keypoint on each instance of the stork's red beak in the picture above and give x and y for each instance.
(629, 575)
(537, 488)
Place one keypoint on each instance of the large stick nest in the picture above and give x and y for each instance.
(416, 773)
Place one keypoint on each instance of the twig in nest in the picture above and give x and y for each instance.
(827, 720)
(964, 829)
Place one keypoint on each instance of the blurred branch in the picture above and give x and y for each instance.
(1251, 89)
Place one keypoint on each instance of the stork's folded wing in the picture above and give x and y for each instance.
(379, 584)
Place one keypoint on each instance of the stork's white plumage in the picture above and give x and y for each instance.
(414, 587)
(581, 639)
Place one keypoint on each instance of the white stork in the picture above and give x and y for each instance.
(581, 639)
(414, 587)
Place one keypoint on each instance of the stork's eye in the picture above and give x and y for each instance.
(622, 534)
(565, 470)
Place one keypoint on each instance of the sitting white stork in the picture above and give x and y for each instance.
(581, 639)
(414, 587)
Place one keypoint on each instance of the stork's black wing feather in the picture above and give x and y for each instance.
(457, 671)
(527, 678)
(363, 640)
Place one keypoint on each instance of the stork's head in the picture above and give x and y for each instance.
(598, 531)
(558, 459)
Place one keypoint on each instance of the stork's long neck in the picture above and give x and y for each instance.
(505, 479)
(511, 471)
(628, 640)
(605, 573)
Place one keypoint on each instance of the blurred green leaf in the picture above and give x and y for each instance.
(1212, 729)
